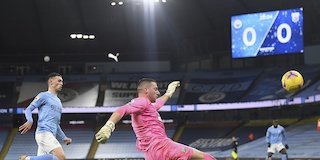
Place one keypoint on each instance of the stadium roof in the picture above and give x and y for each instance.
(31, 29)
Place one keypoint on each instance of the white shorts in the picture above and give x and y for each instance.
(276, 148)
(46, 143)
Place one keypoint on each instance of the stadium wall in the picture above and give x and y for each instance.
(312, 55)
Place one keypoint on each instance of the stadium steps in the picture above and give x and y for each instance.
(234, 130)
(309, 120)
(268, 122)
(205, 135)
(178, 133)
(307, 84)
(122, 144)
(253, 85)
(82, 139)
(3, 136)
(93, 147)
(300, 146)
(257, 128)
(8, 142)
(288, 122)
(19, 143)
(253, 123)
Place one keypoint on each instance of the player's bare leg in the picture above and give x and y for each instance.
(270, 156)
(23, 157)
(284, 155)
(58, 152)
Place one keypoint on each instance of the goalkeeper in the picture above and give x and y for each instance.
(276, 141)
(148, 126)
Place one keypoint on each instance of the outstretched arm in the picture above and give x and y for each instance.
(37, 102)
(105, 132)
(63, 137)
(170, 91)
(115, 117)
(134, 106)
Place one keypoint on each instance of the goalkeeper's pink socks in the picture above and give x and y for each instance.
(208, 157)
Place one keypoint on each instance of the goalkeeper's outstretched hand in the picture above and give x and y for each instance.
(104, 133)
(172, 88)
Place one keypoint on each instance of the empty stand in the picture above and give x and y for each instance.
(303, 140)
(210, 132)
(122, 144)
(81, 141)
(3, 136)
(22, 144)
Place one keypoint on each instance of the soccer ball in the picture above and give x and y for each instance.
(292, 81)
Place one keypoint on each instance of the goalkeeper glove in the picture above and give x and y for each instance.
(104, 134)
(172, 88)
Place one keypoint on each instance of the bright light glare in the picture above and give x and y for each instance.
(46, 58)
(73, 36)
(85, 36)
(79, 35)
(92, 37)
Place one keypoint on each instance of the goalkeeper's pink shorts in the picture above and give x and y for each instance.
(166, 149)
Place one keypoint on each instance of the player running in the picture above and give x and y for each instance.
(50, 109)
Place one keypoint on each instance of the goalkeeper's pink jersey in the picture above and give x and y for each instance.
(146, 121)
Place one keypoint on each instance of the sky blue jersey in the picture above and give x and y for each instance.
(276, 135)
(49, 115)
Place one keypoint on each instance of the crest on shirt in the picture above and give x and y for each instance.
(184, 149)
(35, 99)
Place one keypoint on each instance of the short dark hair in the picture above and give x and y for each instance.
(144, 81)
(53, 74)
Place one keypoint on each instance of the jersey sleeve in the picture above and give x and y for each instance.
(60, 133)
(268, 136)
(38, 101)
(159, 103)
(135, 106)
